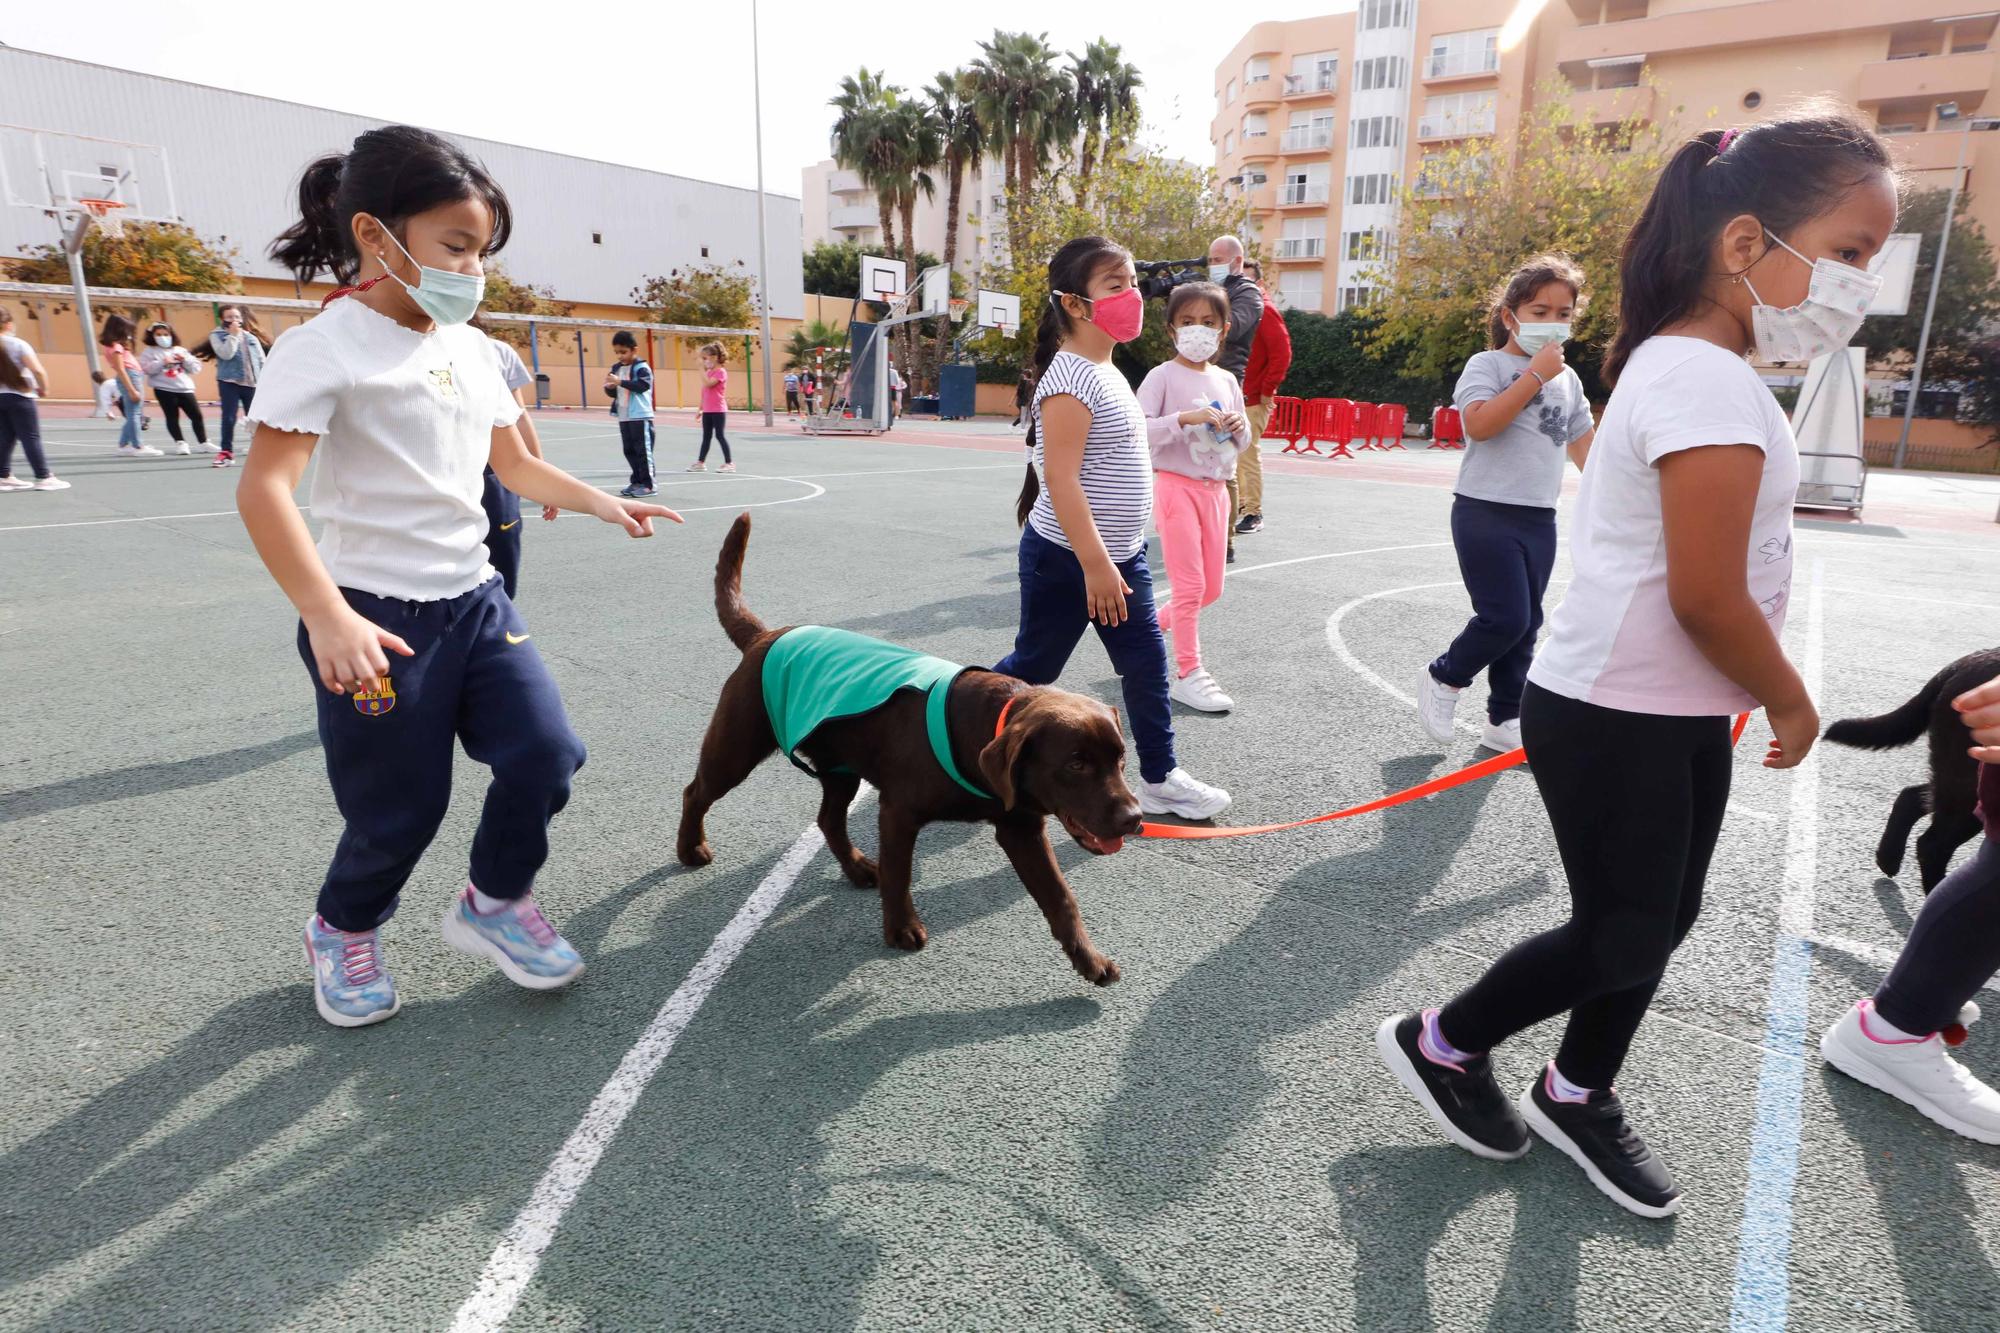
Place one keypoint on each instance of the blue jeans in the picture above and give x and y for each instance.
(128, 433)
(1505, 554)
(235, 397)
(1054, 612)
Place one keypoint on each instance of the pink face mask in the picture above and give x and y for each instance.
(1120, 315)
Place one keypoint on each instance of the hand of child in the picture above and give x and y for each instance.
(1793, 732)
(550, 513)
(1233, 423)
(1105, 591)
(635, 516)
(347, 650)
(1979, 709)
(1548, 363)
(1200, 416)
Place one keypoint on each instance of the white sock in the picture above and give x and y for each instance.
(484, 905)
(1881, 1029)
(1563, 1090)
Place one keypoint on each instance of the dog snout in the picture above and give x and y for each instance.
(1126, 819)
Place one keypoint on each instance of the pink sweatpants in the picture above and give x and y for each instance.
(1193, 519)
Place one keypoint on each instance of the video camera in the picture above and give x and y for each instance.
(1157, 277)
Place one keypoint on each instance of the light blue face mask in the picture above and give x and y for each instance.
(1218, 273)
(447, 297)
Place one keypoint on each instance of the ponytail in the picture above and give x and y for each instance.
(1070, 270)
(392, 173)
(12, 376)
(1783, 172)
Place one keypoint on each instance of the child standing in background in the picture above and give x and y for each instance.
(22, 380)
(170, 369)
(714, 407)
(629, 385)
(1189, 402)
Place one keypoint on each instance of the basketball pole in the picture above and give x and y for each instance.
(763, 242)
(73, 247)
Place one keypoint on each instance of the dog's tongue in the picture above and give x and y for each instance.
(1102, 846)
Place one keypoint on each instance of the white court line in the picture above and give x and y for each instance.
(519, 1254)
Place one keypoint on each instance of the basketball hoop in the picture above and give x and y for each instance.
(958, 309)
(104, 214)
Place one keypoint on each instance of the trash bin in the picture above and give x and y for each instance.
(958, 388)
(541, 389)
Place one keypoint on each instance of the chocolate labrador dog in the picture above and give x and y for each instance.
(927, 735)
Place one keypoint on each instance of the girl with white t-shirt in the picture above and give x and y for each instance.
(1755, 239)
(405, 405)
(1083, 510)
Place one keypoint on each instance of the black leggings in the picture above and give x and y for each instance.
(711, 428)
(1636, 800)
(19, 422)
(1953, 949)
(173, 402)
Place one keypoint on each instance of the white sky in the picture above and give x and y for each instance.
(566, 76)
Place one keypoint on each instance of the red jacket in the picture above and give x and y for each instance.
(1270, 355)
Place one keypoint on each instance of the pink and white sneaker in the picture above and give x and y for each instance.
(1917, 1070)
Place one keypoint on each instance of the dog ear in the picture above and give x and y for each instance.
(1000, 758)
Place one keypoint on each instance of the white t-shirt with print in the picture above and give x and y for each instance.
(405, 423)
(1615, 641)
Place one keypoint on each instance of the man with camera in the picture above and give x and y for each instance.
(1246, 310)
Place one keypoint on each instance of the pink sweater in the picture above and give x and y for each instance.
(1170, 389)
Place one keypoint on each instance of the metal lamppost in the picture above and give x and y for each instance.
(763, 242)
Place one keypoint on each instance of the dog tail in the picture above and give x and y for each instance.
(1897, 727)
(737, 622)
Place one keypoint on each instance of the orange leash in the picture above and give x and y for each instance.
(1484, 769)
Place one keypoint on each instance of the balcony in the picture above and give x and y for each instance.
(1938, 150)
(1300, 193)
(1312, 85)
(853, 217)
(1926, 78)
(1463, 125)
(1308, 139)
(843, 181)
(1262, 91)
(1302, 247)
(1258, 148)
(1765, 23)
(1261, 197)
(1452, 69)
(1613, 106)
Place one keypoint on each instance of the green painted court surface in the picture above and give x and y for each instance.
(841, 1136)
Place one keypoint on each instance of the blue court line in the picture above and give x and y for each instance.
(1764, 1247)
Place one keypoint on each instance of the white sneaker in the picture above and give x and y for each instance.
(141, 451)
(1501, 736)
(15, 484)
(727, 467)
(697, 467)
(182, 448)
(1918, 1071)
(1184, 795)
(210, 447)
(1436, 702)
(49, 484)
(1198, 690)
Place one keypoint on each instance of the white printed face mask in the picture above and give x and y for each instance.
(1837, 300)
(1534, 337)
(1197, 342)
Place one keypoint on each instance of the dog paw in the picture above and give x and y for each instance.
(860, 872)
(909, 937)
(698, 855)
(1095, 968)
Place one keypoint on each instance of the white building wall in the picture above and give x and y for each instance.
(235, 161)
(1396, 41)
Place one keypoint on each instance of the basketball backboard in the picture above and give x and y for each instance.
(882, 279)
(937, 290)
(52, 170)
(999, 310)
(1896, 262)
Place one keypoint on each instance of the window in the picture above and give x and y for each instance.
(1457, 115)
(1309, 130)
(1376, 187)
(1384, 14)
(1381, 72)
(1302, 238)
(1301, 288)
(1618, 71)
(1256, 70)
(1364, 244)
(1230, 93)
(1378, 132)
(1254, 177)
(704, 252)
(1305, 185)
(1752, 100)
(597, 238)
(1228, 143)
(1353, 298)
(1475, 51)
(1255, 126)
(1316, 72)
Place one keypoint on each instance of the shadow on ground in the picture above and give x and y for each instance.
(120, 784)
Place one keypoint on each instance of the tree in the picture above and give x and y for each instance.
(1107, 106)
(866, 142)
(1158, 208)
(1331, 359)
(701, 294)
(816, 346)
(1028, 106)
(506, 296)
(1474, 213)
(1968, 299)
(150, 256)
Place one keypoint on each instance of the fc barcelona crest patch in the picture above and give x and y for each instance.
(375, 702)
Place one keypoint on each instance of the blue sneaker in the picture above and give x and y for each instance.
(517, 937)
(351, 985)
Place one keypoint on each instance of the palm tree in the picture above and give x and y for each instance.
(1107, 106)
(866, 142)
(919, 144)
(962, 135)
(1028, 107)
(804, 348)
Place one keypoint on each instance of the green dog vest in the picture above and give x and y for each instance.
(814, 675)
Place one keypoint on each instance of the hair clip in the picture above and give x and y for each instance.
(1728, 137)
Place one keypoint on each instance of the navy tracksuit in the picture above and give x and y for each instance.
(476, 679)
(1054, 611)
(637, 437)
(503, 533)
(1505, 554)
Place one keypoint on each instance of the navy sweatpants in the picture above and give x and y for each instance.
(476, 679)
(637, 437)
(1505, 554)
(503, 533)
(1054, 612)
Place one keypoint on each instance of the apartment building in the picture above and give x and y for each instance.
(1321, 122)
(837, 207)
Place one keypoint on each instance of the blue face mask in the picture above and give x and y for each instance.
(447, 297)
